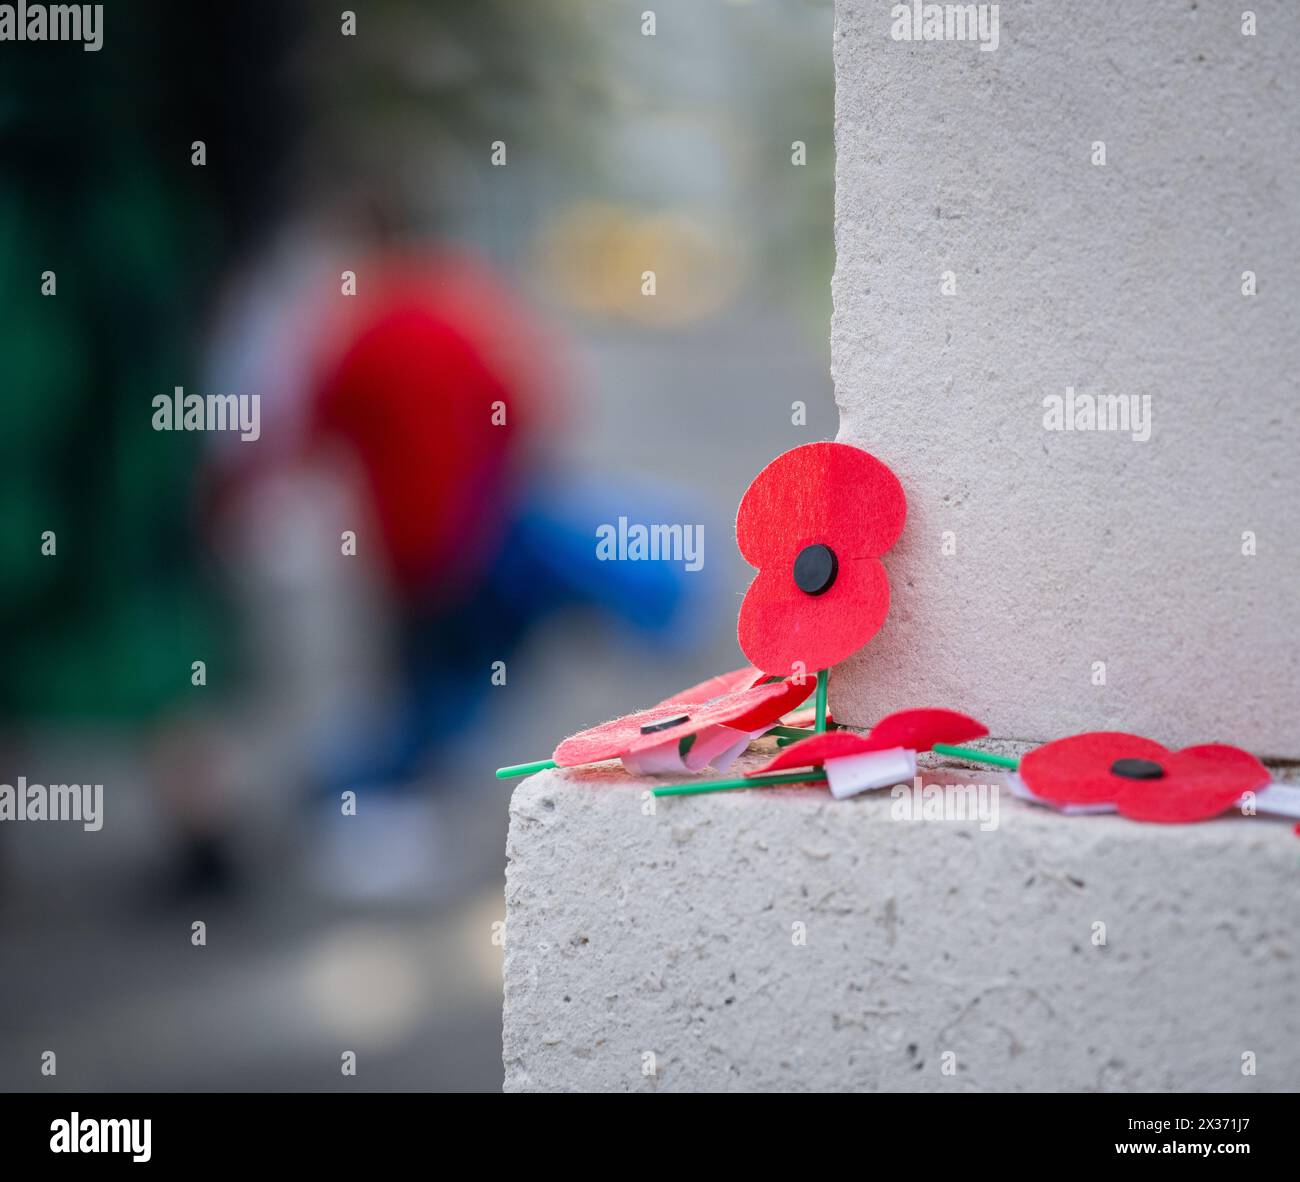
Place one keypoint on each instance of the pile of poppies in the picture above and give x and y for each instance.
(815, 523)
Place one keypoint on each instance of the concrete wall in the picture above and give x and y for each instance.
(1125, 278)
(781, 940)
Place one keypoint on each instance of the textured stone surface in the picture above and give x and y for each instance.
(673, 934)
(1073, 548)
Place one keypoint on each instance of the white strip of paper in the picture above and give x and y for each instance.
(721, 758)
(656, 761)
(1021, 789)
(1278, 799)
(851, 774)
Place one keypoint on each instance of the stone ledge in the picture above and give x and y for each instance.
(672, 934)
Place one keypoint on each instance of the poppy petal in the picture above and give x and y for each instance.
(1199, 783)
(746, 710)
(831, 493)
(781, 626)
(815, 750)
(919, 730)
(913, 730)
(1077, 770)
(715, 687)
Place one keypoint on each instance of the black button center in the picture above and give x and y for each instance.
(815, 569)
(1137, 769)
(664, 724)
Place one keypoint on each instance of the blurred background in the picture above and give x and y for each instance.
(496, 178)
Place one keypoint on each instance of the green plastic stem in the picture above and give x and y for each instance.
(822, 678)
(789, 732)
(977, 756)
(524, 769)
(741, 782)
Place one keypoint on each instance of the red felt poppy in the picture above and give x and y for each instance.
(743, 710)
(804, 718)
(746, 678)
(915, 730)
(715, 687)
(1142, 779)
(814, 523)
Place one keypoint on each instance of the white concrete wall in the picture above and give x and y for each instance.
(1075, 548)
(780, 940)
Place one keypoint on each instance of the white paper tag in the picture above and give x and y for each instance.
(1278, 799)
(659, 760)
(1021, 789)
(719, 746)
(721, 758)
(851, 774)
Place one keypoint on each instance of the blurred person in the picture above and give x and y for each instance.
(474, 540)
(418, 409)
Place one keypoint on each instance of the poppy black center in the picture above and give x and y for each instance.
(815, 569)
(1137, 769)
(663, 724)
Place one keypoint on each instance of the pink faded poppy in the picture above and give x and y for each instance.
(715, 687)
(689, 729)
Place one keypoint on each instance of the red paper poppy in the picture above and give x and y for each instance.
(715, 687)
(814, 523)
(743, 710)
(915, 730)
(1142, 779)
(804, 718)
(746, 678)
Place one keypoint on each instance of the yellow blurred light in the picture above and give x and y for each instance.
(592, 256)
